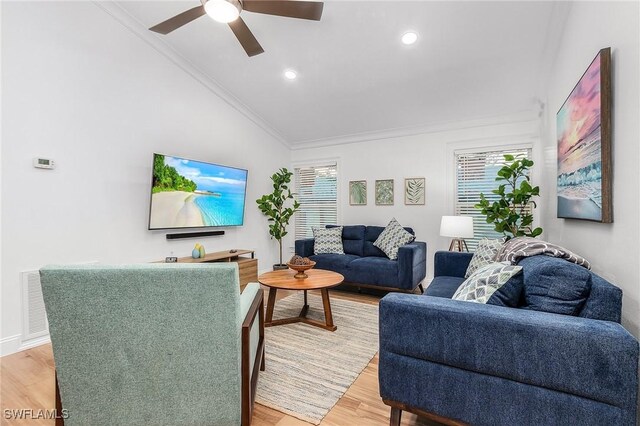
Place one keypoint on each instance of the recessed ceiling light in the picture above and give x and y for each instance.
(409, 37)
(290, 75)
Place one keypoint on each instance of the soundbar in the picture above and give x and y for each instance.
(193, 235)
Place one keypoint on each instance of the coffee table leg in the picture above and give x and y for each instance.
(305, 307)
(328, 317)
(270, 304)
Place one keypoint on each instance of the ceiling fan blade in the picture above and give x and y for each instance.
(177, 21)
(245, 37)
(311, 10)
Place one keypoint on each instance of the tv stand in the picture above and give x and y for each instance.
(247, 266)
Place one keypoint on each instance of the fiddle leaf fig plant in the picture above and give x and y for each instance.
(274, 206)
(510, 213)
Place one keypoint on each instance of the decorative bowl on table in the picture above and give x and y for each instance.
(300, 268)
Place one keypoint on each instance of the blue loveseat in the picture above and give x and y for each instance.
(492, 365)
(365, 265)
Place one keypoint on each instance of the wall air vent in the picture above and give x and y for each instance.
(34, 316)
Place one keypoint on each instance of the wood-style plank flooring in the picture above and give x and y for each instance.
(27, 381)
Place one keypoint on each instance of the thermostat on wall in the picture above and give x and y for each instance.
(44, 163)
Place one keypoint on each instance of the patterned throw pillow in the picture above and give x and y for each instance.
(327, 240)
(484, 254)
(392, 238)
(485, 282)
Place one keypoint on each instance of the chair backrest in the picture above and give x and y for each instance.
(146, 344)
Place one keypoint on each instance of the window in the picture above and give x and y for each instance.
(475, 174)
(316, 190)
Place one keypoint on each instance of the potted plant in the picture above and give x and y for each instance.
(274, 207)
(510, 213)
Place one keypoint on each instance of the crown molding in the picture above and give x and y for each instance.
(520, 117)
(131, 23)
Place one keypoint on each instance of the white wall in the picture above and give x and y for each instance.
(428, 155)
(612, 248)
(80, 88)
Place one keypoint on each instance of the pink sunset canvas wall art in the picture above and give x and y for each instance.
(584, 146)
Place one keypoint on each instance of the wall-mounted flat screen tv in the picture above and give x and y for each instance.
(193, 194)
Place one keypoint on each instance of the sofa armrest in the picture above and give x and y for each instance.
(451, 263)
(253, 347)
(252, 315)
(412, 264)
(247, 297)
(589, 358)
(304, 247)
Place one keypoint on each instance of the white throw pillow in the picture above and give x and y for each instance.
(392, 238)
(327, 240)
(484, 254)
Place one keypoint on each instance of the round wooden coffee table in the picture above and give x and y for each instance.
(318, 279)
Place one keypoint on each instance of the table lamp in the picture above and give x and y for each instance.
(458, 228)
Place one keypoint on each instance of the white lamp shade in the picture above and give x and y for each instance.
(456, 226)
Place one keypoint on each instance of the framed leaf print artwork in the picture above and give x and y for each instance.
(384, 192)
(358, 192)
(414, 191)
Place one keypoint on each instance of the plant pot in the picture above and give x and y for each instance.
(280, 266)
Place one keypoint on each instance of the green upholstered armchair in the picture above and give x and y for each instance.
(161, 344)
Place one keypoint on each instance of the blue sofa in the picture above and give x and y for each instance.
(456, 361)
(365, 265)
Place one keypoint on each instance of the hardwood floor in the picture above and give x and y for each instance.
(27, 381)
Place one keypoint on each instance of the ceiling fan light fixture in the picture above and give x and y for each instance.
(409, 38)
(223, 11)
(290, 75)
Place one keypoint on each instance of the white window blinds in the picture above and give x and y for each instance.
(475, 174)
(316, 190)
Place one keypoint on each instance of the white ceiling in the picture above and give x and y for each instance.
(472, 60)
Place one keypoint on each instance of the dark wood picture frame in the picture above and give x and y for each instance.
(570, 208)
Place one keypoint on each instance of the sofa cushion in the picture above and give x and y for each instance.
(554, 285)
(510, 294)
(352, 239)
(373, 270)
(604, 301)
(484, 254)
(392, 238)
(443, 286)
(333, 262)
(371, 234)
(486, 282)
(327, 240)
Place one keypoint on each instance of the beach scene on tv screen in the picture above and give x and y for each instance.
(189, 194)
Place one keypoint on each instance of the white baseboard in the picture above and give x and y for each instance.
(12, 344)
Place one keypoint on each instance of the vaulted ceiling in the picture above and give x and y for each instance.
(472, 60)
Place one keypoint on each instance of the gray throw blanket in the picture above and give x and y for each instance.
(517, 248)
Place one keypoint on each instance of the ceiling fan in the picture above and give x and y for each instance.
(228, 12)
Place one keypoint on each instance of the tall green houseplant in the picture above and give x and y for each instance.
(510, 213)
(274, 206)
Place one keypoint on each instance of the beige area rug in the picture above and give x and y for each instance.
(308, 368)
